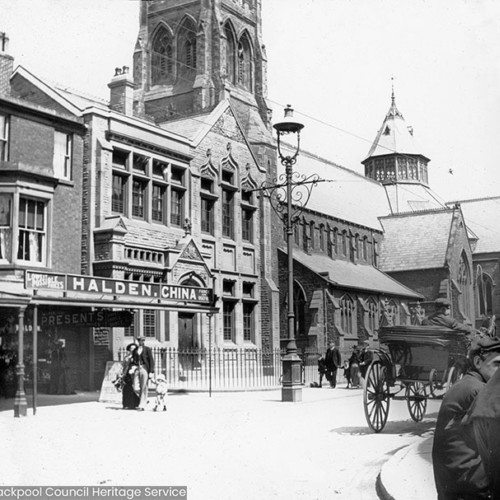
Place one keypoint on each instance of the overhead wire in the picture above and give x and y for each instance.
(180, 115)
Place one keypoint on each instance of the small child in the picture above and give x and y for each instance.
(161, 392)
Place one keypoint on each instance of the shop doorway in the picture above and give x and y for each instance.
(189, 353)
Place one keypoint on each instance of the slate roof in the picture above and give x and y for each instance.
(482, 216)
(142, 234)
(411, 197)
(415, 240)
(345, 195)
(349, 275)
(394, 136)
(187, 127)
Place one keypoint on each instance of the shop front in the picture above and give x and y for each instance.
(58, 334)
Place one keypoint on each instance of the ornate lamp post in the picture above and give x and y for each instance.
(289, 195)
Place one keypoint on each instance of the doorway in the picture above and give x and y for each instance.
(188, 343)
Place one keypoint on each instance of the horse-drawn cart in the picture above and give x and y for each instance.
(413, 363)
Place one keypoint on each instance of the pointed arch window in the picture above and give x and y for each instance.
(344, 242)
(161, 58)
(329, 241)
(347, 314)
(485, 294)
(230, 54)
(190, 53)
(312, 234)
(186, 47)
(321, 236)
(372, 316)
(244, 63)
(464, 285)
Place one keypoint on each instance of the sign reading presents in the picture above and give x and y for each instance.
(103, 317)
(87, 284)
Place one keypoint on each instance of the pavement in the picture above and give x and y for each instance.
(406, 475)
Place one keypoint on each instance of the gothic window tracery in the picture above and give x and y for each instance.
(245, 62)
(347, 314)
(230, 54)
(464, 284)
(186, 43)
(484, 293)
(161, 57)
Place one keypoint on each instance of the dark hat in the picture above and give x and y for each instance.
(484, 343)
(141, 338)
(442, 302)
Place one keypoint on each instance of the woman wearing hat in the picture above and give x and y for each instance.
(130, 391)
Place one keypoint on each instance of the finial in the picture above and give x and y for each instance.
(393, 99)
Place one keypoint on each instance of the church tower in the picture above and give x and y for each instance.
(395, 160)
(191, 55)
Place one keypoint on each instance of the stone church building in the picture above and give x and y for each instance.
(148, 204)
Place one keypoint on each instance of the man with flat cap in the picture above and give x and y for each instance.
(459, 472)
(442, 317)
(146, 363)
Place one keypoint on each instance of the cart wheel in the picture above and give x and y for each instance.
(416, 398)
(376, 396)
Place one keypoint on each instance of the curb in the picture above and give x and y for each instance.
(408, 474)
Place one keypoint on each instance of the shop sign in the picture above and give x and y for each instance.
(103, 317)
(104, 286)
(45, 281)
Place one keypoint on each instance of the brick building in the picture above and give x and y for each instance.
(167, 177)
(41, 180)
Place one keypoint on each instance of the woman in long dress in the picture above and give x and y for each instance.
(354, 367)
(130, 391)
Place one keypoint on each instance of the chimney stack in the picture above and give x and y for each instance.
(122, 91)
(6, 64)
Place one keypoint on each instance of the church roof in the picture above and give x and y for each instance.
(394, 136)
(355, 276)
(411, 197)
(343, 192)
(481, 216)
(415, 240)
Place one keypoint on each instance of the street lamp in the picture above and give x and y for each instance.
(289, 195)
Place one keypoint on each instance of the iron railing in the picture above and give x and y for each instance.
(218, 369)
(229, 369)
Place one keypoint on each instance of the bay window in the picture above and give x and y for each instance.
(5, 227)
(32, 230)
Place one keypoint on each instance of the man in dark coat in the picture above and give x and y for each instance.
(365, 358)
(485, 417)
(442, 317)
(143, 357)
(332, 362)
(321, 369)
(458, 469)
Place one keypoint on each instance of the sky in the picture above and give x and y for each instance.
(334, 61)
